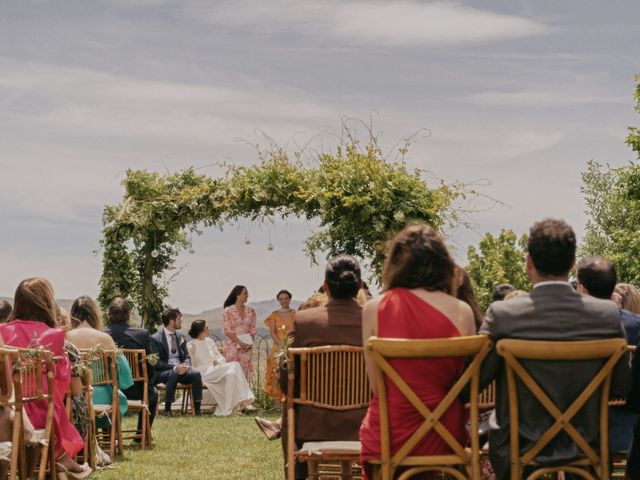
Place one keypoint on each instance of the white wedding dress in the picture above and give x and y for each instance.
(224, 381)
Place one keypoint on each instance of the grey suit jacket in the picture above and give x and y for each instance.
(551, 312)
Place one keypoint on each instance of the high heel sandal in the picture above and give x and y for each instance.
(71, 475)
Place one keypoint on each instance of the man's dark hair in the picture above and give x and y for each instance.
(170, 314)
(552, 247)
(5, 311)
(500, 291)
(119, 311)
(598, 276)
(343, 276)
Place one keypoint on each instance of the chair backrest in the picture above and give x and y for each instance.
(8, 357)
(332, 377)
(137, 359)
(381, 351)
(103, 365)
(33, 375)
(514, 351)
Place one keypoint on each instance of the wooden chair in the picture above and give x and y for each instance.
(9, 450)
(188, 402)
(104, 369)
(33, 381)
(330, 377)
(381, 350)
(513, 351)
(138, 363)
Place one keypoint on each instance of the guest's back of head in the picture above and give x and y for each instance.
(514, 294)
(5, 311)
(342, 277)
(84, 309)
(316, 300)
(629, 297)
(597, 277)
(34, 300)
(552, 247)
(418, 258)
(119, 311)
(501, 291)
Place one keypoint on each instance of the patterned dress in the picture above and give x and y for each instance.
(233, 323)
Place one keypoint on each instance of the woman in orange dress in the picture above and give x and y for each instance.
(279, 324)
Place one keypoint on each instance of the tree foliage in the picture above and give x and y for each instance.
(496, 260)
(359, 198)
(612, 196)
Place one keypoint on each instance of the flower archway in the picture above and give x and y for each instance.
(358, 196)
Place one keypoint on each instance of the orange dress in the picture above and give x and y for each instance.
(282, 329)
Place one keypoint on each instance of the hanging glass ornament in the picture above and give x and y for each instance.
(155, 253)
(269, 246)
(247, 241)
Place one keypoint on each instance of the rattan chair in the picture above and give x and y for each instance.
(188, 403)
(463, 463)
(104, 370)
(9, 449)
(609, 352)
(329, 377)
(33, 381)
(138, 362)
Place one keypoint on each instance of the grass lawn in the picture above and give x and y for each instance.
(186, 447)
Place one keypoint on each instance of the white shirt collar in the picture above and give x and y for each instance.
(552, 282)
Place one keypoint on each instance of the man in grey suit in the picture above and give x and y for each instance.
(552, 311)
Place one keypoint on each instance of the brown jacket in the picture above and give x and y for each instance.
(337, 323)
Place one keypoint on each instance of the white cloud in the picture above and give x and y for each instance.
(539, 99)
(397, 23)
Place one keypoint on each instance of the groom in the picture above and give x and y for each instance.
(174, 364)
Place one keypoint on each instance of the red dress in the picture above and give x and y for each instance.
(402, 314)
(30, 334)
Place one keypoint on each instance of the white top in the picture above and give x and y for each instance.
(204, 354)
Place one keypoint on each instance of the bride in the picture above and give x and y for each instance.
(224, 380)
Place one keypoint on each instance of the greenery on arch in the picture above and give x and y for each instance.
(358, 196)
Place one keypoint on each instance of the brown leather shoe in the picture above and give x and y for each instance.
(270, 429)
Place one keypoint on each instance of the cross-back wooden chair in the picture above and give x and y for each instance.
(514, 351)
(138, 362)
(331, 377)
(381, 351)
(33, 381)
(104, 370)
(9, 450)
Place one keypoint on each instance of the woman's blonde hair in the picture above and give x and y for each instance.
(514, 294)
(630, 297)
(34, 300)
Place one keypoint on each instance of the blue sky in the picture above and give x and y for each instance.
(521, 93)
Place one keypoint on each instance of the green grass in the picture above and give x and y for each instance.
(186, 447)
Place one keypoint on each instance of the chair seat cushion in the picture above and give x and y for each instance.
(335, 447)
(98, 408)
(5, 451)
(135, 404)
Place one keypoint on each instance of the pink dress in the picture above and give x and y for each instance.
(402, 314)
(30, 334)
(233, 323)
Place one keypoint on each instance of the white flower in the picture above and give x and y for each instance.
(399, 216)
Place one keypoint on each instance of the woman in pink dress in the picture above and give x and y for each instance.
(418, 303)
(239, 319)
(33, 324)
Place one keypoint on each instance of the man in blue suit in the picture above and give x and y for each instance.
(174, 363)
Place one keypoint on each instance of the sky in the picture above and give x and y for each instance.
(512, 96)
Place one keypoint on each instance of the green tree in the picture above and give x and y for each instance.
(612, 197)
(496, 260)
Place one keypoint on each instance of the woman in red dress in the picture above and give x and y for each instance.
(33, 324)
(419, 282)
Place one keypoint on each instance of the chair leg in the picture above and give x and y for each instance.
(346, 470)
(312, 468)
(193, 402)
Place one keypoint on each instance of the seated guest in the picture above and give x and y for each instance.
(419, 280)
(174, 364)
(339, 322)
(627, 297)
(225, 381)
(501, 291)
(596, 276)
(467, 295)
(5, 311)
(33, 324)
(86, 320)
(125, 336)
(552, 311)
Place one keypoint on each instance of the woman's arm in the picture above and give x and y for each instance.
(272, 330)
(370, 329)
(230, 325)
